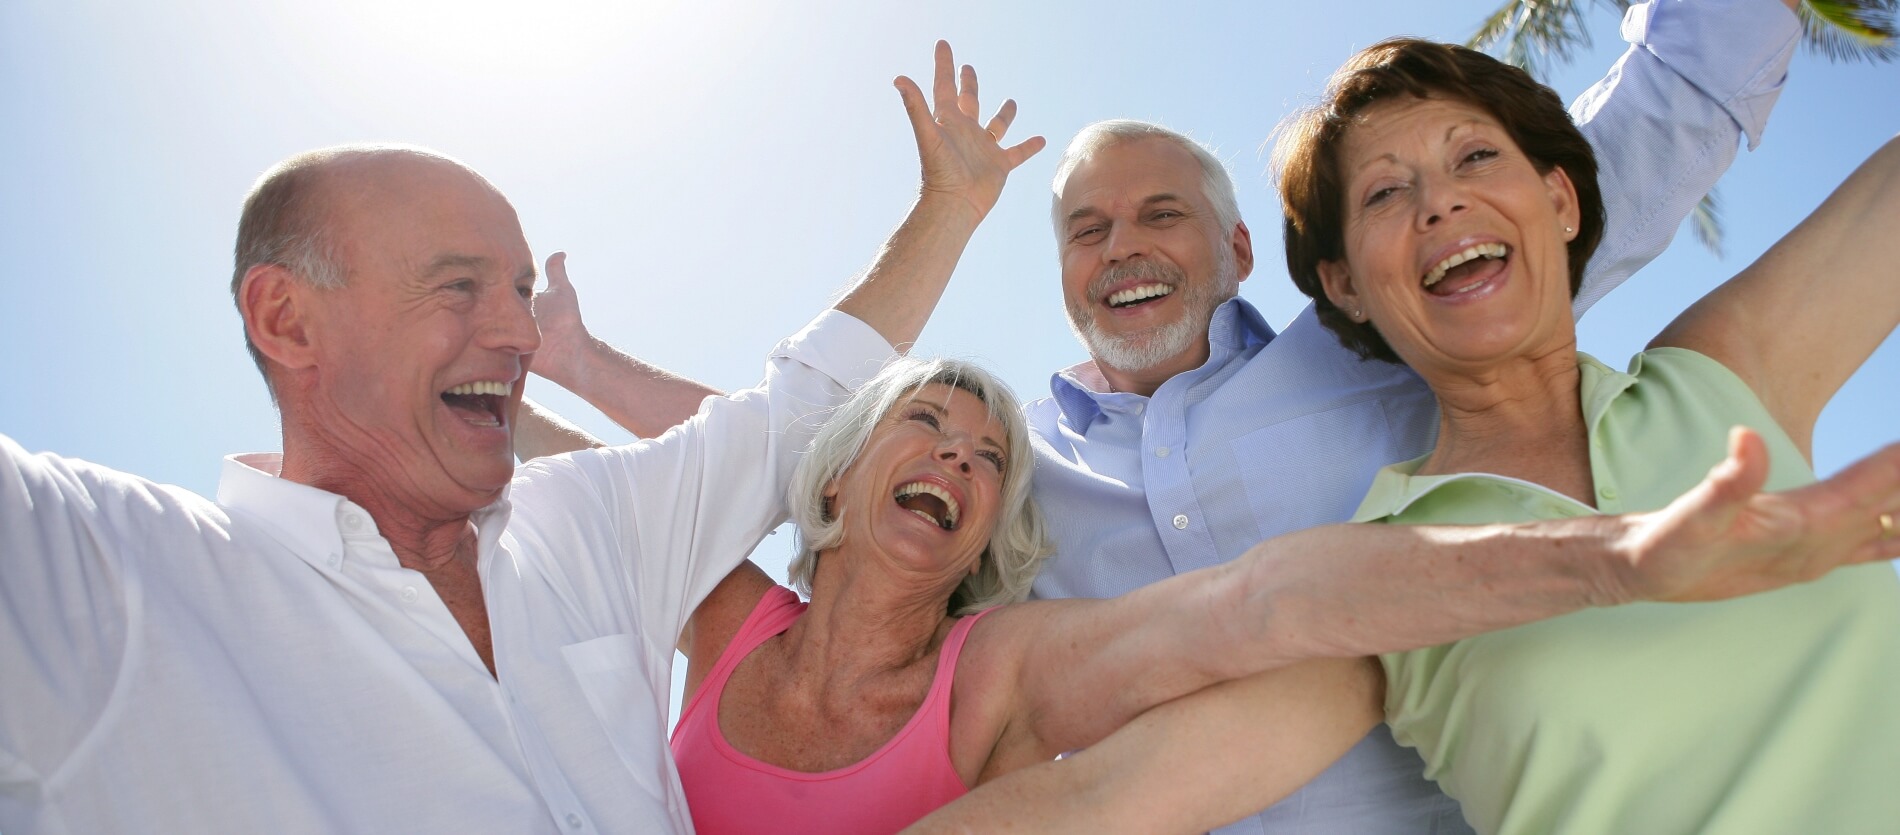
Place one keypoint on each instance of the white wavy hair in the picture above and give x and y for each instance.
(1018, 543)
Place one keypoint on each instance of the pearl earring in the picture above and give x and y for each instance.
(1568, 230)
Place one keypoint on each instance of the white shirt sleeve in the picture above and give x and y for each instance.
(63, 602)
(687, 507)
(1699, 74)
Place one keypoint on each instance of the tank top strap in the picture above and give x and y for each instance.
(775, 612)
(947, 672)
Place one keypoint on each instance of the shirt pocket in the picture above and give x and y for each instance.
(611, 673)
(1313, 469)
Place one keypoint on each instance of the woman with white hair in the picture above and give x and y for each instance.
(905, 680)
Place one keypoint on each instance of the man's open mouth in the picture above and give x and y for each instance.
(478, 403)
(1137, 295)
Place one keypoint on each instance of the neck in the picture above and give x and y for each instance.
(424, 535)
(862, 622)
(1522, 418)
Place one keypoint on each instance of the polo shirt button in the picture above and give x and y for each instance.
(1180, 522)
(1607, 492)
(1161, 452)
(408, 594)
(573, 821)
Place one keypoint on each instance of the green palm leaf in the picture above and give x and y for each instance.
(1849, 30)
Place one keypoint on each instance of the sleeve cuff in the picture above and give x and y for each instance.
(840, 346)
(1735, 51)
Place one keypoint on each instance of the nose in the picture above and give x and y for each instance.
(956, 449)
(509, 322)
(1440, 199)
(1125, 241)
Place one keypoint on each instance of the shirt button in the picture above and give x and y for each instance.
(408, 594)
(1607, 492)
(573, 821)
(336, 561)
(1161, 452)
(1180, 522)
(352, 522)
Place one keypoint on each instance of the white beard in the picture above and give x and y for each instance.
(1142, 350)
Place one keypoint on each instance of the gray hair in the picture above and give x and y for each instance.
(1217, 185)
(1019, 542)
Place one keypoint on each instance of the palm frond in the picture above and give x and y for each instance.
(1706, 220)
(1849, 30)
(1533, 33)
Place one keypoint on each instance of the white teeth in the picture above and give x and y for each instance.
(1493, 250)
(951, 511)
(499, 389)
(1135, 294)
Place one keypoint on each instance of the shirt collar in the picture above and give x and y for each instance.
(1396, 487)
(314, 523)
(1082, 393)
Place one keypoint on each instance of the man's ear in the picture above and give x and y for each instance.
(1242, 242)
(276, 306)
(1336, 279)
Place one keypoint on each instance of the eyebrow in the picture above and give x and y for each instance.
(946, 413)
(1448, 132)
(1091, 211)
(451, 263)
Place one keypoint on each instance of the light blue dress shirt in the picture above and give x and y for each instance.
(1279, 432)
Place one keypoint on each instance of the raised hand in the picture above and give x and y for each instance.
(1726, 539)
(564, 337)
(962, 158)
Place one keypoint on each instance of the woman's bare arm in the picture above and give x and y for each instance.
(1072, 671)
(1189, 765)
(1800, 320)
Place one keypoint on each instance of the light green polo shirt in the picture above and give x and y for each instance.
(1776, 713)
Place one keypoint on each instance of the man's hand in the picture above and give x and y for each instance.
(1726, 539)
(962, 158)
(564, 337)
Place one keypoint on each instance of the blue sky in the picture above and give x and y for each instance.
(716, 169)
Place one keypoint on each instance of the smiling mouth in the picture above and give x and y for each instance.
(1466, 269)
(1138, 295)
(929, 502)
(480, 404)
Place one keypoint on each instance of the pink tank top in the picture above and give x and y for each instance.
(731, 793)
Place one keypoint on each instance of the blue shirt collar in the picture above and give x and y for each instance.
(1081, 393)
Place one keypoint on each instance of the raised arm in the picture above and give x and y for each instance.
(643, 399)
(1799, 321)
(1665, 120)
(964, 168)
(539, 431)
(1083, 667)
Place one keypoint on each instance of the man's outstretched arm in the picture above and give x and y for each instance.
(965, 166)
(1699, 76)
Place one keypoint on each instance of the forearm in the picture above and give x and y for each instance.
(1351, 590)
(539, 431)
(1189, 765)
(898, 292)
(1666, 119)
(642, 398)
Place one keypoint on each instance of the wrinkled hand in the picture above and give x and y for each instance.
(558, 313)
(1726, 539)
(962, 158)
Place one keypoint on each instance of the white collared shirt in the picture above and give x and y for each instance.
(265, 664)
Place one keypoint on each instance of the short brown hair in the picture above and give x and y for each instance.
(1306, 156)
